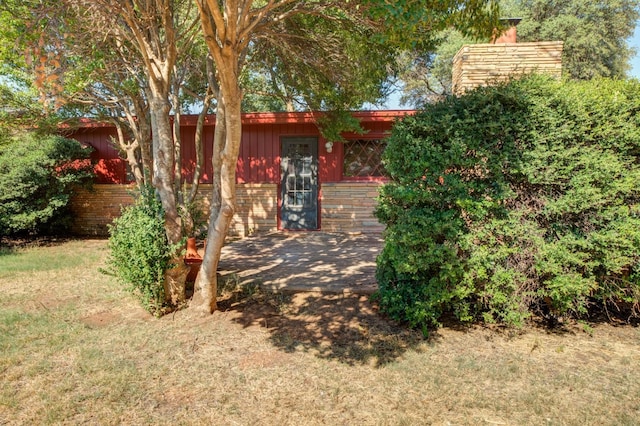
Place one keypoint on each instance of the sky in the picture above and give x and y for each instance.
(634, 42)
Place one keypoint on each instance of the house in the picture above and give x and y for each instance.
(288, 176)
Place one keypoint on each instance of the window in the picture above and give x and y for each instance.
(363, 158)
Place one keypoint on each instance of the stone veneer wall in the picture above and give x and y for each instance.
(257, 209)
(93, 210)
(346, 207)
(482, 64)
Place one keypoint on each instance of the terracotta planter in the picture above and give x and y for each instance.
(192, 249)
(192, 259)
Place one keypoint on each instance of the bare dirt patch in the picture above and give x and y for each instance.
(345, 327)
(101, 319)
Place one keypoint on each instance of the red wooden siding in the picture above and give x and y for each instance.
(109, 167)
(331, 171)
(259, 158)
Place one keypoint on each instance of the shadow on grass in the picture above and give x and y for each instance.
(346, 328)
(6, 251)
(616, 313)
(9, 245)
(349, 328)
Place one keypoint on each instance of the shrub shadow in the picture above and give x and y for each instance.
(346, 328)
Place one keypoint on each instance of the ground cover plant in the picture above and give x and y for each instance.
(515, 199)
(76, 348)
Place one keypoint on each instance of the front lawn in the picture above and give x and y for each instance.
(75, 348)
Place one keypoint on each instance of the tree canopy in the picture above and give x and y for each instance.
(127, 59)
(594, 33)
(25, 80)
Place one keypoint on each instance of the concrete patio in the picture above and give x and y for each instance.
(305, 261)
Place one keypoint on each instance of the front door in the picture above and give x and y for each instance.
(299, 193)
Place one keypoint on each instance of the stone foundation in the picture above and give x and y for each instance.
(345, 207)
(348, 207)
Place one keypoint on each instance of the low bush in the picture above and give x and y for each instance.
(37, 177)
(140, 252)
(512, 199)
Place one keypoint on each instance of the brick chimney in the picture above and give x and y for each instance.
(510, 35)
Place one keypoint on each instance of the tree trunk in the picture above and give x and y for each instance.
(130, 149)
(163, 178)
(143, 134)
(224, 199)
(206, 104)
(177, 146)
(195, 183)
(174, 282)
(227, 49)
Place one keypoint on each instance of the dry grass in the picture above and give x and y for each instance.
(76, 349)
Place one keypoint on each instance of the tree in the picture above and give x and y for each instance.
(26, 80)
(317, 47)
(594, 33)
(146, 57)
(325, 55)
(427, 77)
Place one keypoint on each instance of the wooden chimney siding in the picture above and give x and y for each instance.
(484, 64)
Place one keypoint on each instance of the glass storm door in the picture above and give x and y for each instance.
(299, 193)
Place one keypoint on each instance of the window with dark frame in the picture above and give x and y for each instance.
(363, 158)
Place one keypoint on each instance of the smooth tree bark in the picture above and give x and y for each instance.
(205, 287)
(130, 147)
(153, 33)
(226, 27)
(156, 44)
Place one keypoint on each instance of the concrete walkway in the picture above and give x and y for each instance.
(305, 261)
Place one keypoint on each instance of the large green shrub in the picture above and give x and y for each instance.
(140, 252)
(37, 177)
(512, 198)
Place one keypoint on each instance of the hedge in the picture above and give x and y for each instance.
(511, 200)
(38, 174)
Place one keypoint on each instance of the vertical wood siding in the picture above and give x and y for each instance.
(259, 159)
(109, 167)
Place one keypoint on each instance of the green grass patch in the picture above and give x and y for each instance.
(44, 258)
